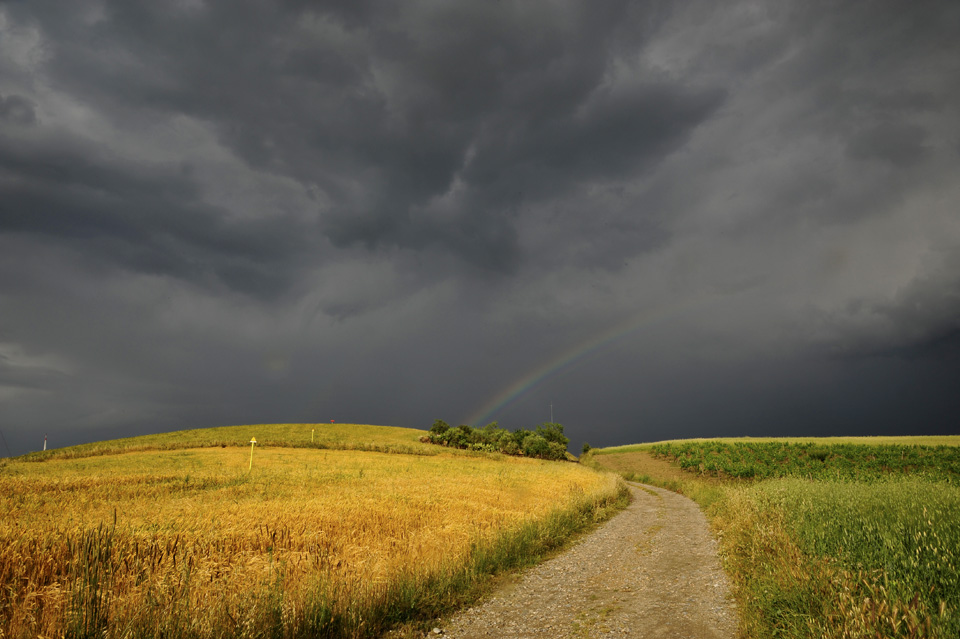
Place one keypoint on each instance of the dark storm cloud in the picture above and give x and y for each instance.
(17, 110)
(921, 320)
(148, 218)
(220, 211)
(507, 99)
(899, 144)
(26, 378)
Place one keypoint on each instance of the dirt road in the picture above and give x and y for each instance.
(651, 571)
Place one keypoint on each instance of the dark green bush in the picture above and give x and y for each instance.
(520, 434)
(556, 451)
(546, 442)
(553, 432)
(535, 446)
(458, 437)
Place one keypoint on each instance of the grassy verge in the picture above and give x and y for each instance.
(422, 602)
(828, 557)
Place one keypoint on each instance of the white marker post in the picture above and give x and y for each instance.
(253, 442)
(312, 430)
(44, 441)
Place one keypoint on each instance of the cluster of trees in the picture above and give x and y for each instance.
(547, 441)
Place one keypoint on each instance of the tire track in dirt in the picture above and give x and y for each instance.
(651, 571)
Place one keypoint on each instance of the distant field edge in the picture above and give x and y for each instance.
(878, 440)
(334, 436)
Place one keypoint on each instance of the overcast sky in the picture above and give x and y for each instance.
(666, 219)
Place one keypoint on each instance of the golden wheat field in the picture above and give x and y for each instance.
(192, 543)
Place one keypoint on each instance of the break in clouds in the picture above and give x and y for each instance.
(221, 212)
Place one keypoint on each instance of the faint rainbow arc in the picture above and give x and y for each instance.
(570, 357)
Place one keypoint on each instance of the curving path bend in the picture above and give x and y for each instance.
(651, 572)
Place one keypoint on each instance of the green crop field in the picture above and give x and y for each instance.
(832, 537)
(814, 460)
(924, 440)
(317, 530)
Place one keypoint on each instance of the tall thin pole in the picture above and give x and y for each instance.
(9, 454)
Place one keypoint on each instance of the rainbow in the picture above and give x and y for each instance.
(573, 356)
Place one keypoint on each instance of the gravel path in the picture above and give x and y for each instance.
(651, 571)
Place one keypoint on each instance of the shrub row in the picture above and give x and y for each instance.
(547, 441)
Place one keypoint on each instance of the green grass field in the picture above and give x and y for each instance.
(825, 537)
(921, 440)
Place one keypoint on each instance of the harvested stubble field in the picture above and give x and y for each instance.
(311, 542)
(831, 537)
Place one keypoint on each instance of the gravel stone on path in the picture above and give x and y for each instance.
(651, 571)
